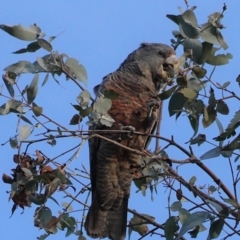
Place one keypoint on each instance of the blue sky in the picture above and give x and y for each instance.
(100, 34)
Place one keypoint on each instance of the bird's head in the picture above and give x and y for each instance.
(155, 61)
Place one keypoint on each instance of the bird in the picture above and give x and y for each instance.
(137, 83)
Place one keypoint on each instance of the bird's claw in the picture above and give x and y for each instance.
(153, 104)
(126, 128)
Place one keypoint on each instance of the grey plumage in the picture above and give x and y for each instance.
(137, 81)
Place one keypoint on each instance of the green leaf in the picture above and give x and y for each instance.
(188, 25)
(75, 119)
(21, 67)
(192, 180)
(86, 111)
(176, 206)
(42, 64)
(25, 119)
(220, 127)
(212, 189)
(8, 83)
(206, 51)
(227, 154)
(201, 138)
(189, 93)
(231, 202)
(77, 70)
(199, 71)
(209, 116)
(24, 132)
(192, 221)
(102, 105)
(43, 215)
(170, 227)
(211, 34)
(107, 120)
(212, 100)
(31, 47)
(215, 152)
(183, 214)
(11, 105)
(176, 103)
(234, 120)
(194, 121)
(27, 172)
(195, 45)
(238, 79)
(24, 33)
(14, 186)
(217, 206)
(222, 107)
(48, 64)
(52, 198)
(67, 206)
(84, 98)
(226, 84)
(77, 107)
(166, 94)
(33, 89)
(30, 186)
(59, 131)
(216, 228)
(174, 18)
(233, 145)
(37, 110)
(13, 143)
(220, 59)
(44, 44)
(81, 237)
(45, 79)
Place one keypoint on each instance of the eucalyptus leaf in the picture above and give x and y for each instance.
(33, 89)
(176, 206)
(8, 85)
(77, 69)
(21, 67)
(192, 221)
(176, 103)
(215, 152)
(188, 25)
(220, 59)
(216, 228)
(102, 105)
(75, 119)
(45, 79)
(166, 94)
(24, 132)
(44, 44)
(222, 107)
(37, 110)
(24, 33)
(189, 93)
(170, 227)
(31, 47)
(195, 45)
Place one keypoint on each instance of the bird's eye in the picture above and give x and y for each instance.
(160, 52)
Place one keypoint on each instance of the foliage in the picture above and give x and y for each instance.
(193, 95)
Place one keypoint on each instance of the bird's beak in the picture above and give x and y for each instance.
(172, 62)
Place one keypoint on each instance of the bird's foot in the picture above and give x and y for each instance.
(152, 106)
(129, 134)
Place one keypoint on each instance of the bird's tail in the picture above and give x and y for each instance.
(96, 221)
(117, 221)
(106, 223)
